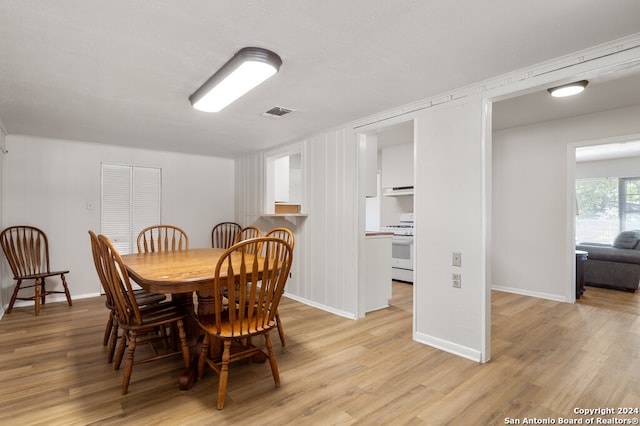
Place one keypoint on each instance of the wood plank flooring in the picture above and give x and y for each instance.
(548, 358)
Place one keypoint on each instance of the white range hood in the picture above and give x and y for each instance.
(399, 190)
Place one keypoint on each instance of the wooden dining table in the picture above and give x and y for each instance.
(180, 274)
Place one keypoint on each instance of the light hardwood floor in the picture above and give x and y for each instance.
(548, 358)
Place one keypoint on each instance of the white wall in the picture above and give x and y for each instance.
(49, 183)
(326, 251)
(618, 167)
(455, 168)
(530, 209)
(450, 217)
(4, 294)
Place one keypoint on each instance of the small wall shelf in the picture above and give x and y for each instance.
(289, 217)
(397, 193)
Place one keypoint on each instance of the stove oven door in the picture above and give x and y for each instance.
(402, 258)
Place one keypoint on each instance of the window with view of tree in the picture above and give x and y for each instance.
(606, 206)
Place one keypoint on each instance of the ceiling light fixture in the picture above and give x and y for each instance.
(568, 89)
(249, 67)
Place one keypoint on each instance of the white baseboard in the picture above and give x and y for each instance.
(447, 346)
(52, 298)
(349, 315)
(540, 295)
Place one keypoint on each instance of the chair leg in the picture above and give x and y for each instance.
(14, 295)
(280, 330)
(224, 374)
(128, 364)
(113, 340)
(38, 289)
(43, 291)
(203, 355)
(107, 329)
(66, 290)
(272, 360)
(120, 352)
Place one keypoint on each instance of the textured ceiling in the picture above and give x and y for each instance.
(120, 72)
(604, 92)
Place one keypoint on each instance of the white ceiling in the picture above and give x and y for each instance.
(608, 151)
(604, 92)
(121, 72)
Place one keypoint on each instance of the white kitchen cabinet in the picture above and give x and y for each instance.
(397, 166)
(369, 146)
(377, 271)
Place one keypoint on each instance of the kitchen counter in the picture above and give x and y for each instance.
(377, 270)
(378, 234)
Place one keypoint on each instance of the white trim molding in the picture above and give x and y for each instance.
(537, 294)
(624, 51)
(348, 315)
(447, 346)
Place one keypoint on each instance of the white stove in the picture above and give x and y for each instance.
(404, 228)
(402, 248)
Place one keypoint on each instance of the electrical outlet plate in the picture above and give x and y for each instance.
(456, 280)
(457, 259)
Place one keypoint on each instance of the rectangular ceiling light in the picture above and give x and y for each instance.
(249, 67)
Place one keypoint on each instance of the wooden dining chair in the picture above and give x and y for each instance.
(162, 238)
(138, 324)
(224, 234)
(249, 232)
(27, 251)
(287, 235)
(255, 284)
(143, 299)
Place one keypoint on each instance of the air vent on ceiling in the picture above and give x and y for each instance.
(276, 112)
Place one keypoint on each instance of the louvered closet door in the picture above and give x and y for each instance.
(131, 201)
(146, 201)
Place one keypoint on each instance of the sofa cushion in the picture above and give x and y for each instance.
(627, 240)
(610, 254)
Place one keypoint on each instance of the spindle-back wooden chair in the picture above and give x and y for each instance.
(287, 235)
(255, 284)
(162, 238)
(223, 235)
(138, 324)
(27, 251)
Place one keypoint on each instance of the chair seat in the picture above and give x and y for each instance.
(158, 315)
(232, 331)
(41, 275)
(145, 298)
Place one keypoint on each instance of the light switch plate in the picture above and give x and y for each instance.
(457, 259)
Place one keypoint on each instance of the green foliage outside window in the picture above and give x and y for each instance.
(597, 197)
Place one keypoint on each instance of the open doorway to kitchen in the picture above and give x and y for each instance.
(389, 205)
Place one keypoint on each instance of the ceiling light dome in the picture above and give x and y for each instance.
(568, 89)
